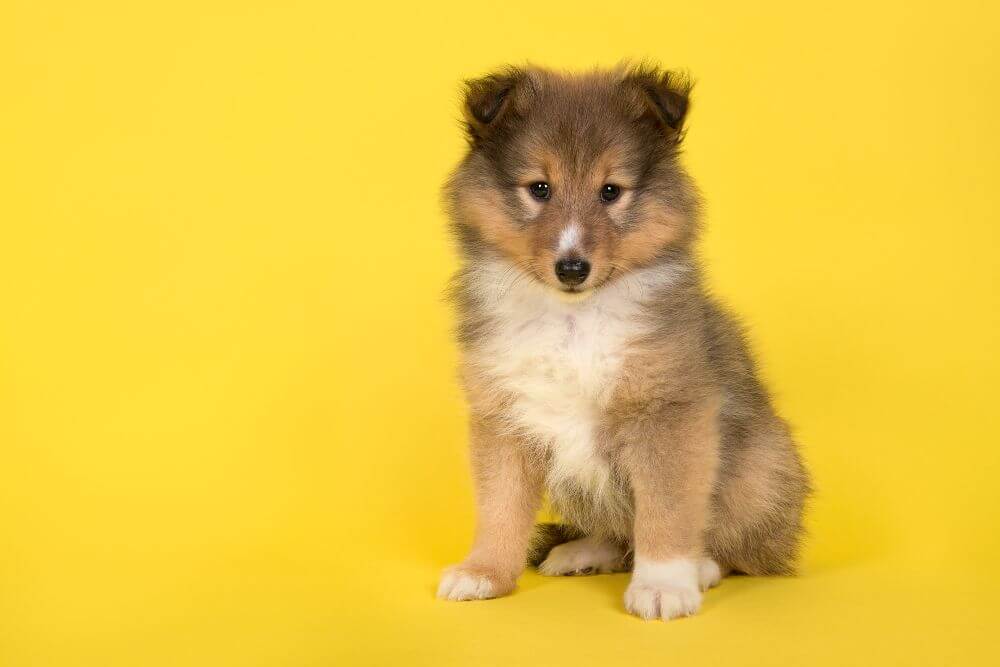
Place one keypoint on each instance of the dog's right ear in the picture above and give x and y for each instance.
(488, 100)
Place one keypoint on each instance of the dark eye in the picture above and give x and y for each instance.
(540, 190)
(610, 192)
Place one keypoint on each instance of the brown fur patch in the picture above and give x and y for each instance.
(508, 495)
(658, 227)
(485, 212)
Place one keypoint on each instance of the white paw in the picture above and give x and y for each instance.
(589, 555)
(458, 584)
(662, 602)
(663, 589)
(709, 574)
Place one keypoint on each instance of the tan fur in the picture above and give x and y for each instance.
(660, 227)
(671, 457)
(483, 210)
(638, 407)
(508, 495)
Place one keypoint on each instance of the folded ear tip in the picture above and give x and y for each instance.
(485, 97)
(668, 91)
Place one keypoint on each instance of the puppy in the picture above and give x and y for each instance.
(596, 366)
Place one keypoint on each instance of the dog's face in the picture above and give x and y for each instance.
(574, 178)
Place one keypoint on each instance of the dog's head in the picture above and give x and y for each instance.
(574, 179)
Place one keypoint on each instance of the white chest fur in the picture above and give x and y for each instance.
(560, 361)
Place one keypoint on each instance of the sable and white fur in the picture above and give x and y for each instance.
(630, 398)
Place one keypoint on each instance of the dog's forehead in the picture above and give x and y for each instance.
(587, 109)
(578, 126)
(576, 149)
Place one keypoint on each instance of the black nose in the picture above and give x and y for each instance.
(573, 271)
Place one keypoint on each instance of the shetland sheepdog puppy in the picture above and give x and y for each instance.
(596, 366)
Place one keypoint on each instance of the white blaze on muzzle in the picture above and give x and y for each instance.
(569, 239)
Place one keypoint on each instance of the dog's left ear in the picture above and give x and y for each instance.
(663, 95)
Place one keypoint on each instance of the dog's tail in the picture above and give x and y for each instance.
(547, 536)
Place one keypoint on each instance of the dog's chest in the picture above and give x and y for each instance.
(561, 365)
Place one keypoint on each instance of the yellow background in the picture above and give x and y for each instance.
(229, 424)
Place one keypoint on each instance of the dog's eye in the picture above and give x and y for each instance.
(610, 192)
(540, 190)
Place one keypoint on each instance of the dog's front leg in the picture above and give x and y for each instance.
(671, 458)
(508, 494)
